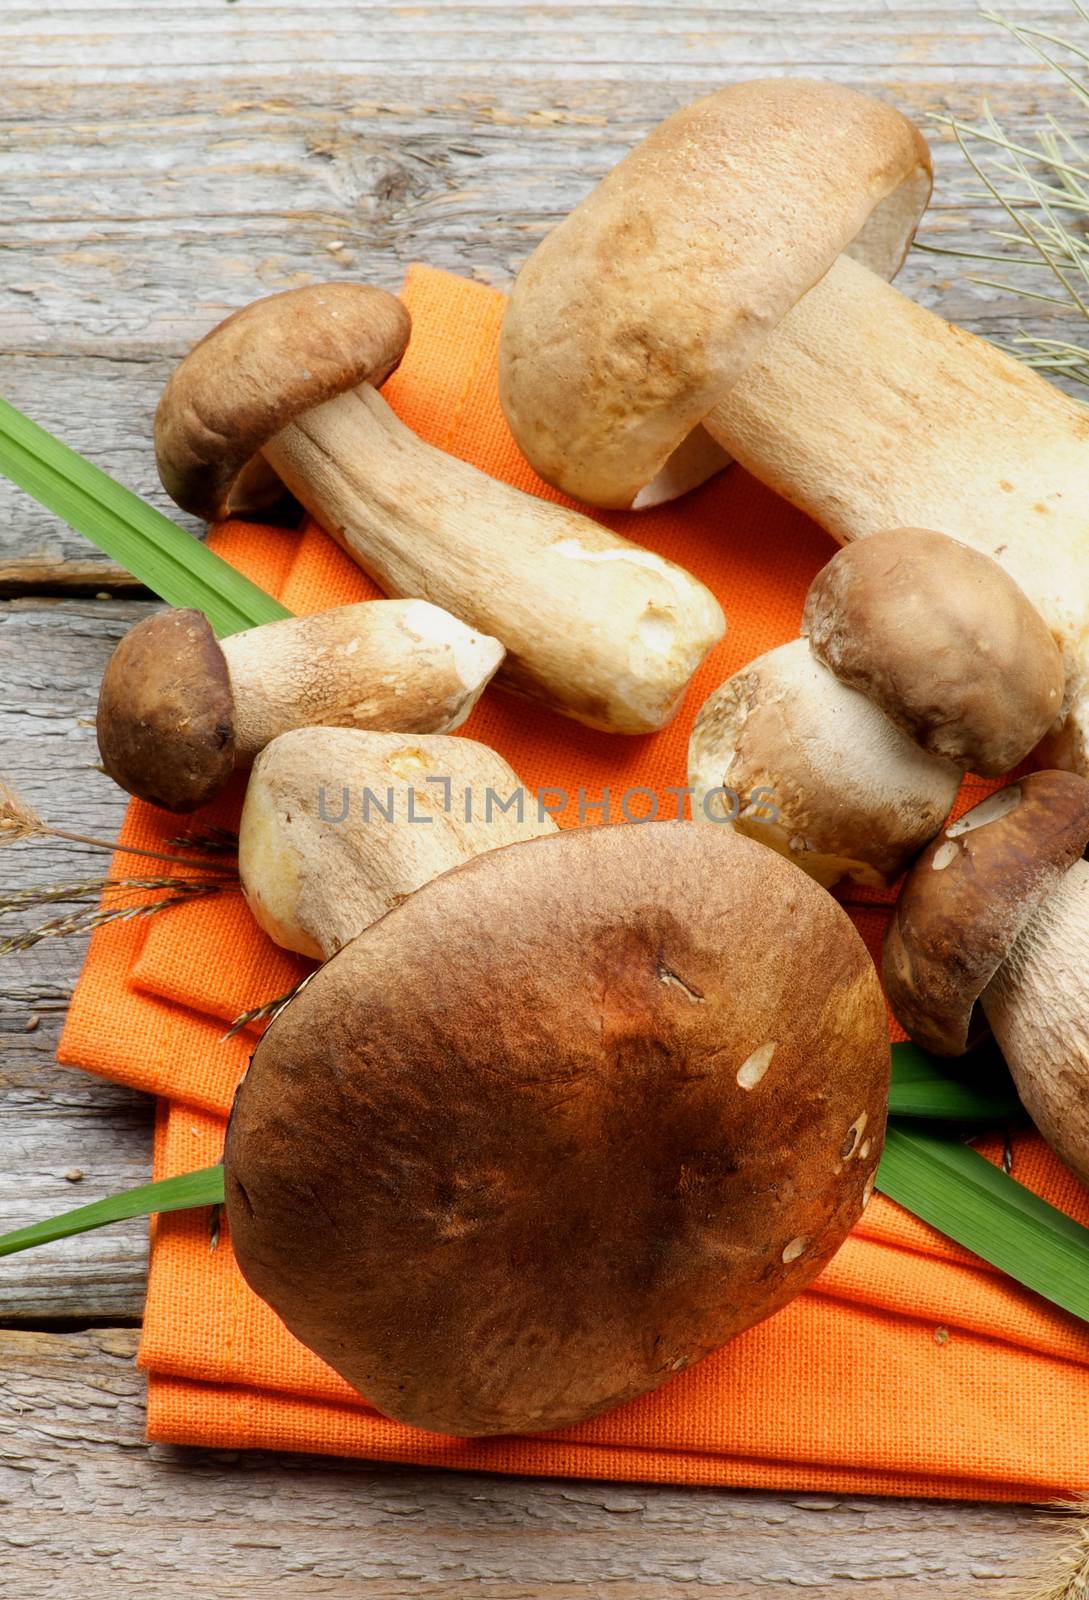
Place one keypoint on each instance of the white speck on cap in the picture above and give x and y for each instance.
(754, 1067)
(853, 1135)
(794, 1249)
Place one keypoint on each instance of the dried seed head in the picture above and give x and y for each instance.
(17, 819)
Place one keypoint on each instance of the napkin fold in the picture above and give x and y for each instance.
(909, 1368)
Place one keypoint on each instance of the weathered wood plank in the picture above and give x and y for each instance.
(53, 1120)
(75, 1475)
(155, 171)
(158, 166)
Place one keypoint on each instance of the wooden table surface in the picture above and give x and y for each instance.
(162, 163)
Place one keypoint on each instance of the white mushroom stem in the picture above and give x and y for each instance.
(1037, 1004)
(869, 412)
(602, 630)
(339, 825)
(384, 664)
(797, 760)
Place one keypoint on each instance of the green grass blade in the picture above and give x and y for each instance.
(192, 1189)
(976, 1204)
(943, 1182)
(173, 565)
(977, 1089)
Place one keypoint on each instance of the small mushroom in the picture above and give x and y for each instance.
(559, 1125)
(339, 825)
(992, 927)
(941, 639)
(283, 392)
(787, 754)
(728, 278)
(924, 658)
(179, 710)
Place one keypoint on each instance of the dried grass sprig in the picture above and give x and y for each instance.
(271, 1009)
(1067, 1574)
(210, 839)
(19, 820)
(88, 889)
(88, 918)
(1042, 187)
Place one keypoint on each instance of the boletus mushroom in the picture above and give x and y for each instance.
(722, 293)
(561, 1123)
(284, 393)
(179, 710)
(340, 825)
(992, 928)
(924, 658)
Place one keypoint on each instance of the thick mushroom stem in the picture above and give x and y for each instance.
(602, 630)
(869, 412)
(390, 664)
(1037, 1004)
(339, 825)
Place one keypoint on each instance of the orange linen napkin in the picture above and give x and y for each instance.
(909, 1368)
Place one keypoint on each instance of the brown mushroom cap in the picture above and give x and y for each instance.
(969, 895)
(943, 640)
(636, 315)
(257, 371)
(567, 1119)
(166, 722)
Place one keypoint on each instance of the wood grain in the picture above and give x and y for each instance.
(160, 165)
(54, 1120)
(149, 1521)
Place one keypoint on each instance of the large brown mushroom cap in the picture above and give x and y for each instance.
(636, 315)
(260, 369)
(943, 640)
(560, 1124)
(166, 722)
(969, 895)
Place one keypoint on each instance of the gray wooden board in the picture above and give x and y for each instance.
(160, 164)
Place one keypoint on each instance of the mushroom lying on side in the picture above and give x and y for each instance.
(924, 658)
(576, 1113)
(594, 626)
(340, 825)
(727, 280)
(179, 710)
(995, 914)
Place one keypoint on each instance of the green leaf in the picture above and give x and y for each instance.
(192, 1189)
(175, 566)
(980, 1207)
(977, 1088)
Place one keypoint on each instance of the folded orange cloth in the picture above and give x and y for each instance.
(909, 1368)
